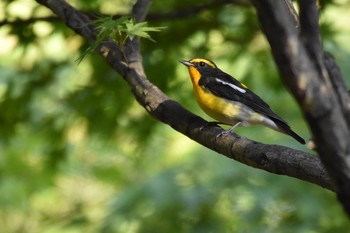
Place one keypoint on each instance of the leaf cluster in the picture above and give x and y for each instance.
(120, 30)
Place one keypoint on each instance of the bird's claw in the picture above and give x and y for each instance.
(227, 132)
(223, 133)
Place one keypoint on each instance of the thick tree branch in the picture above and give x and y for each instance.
(339, 85)
(311, 35)
(293, 12)
(272, 158)
(299, 57)
(310, 32)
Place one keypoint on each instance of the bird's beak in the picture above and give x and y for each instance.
(186, 63)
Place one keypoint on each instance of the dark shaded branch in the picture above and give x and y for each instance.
(311, 35)
(140, 9)
(293, 12)
(302, 71)
(272, 158)
(310, 32)
(339, 85)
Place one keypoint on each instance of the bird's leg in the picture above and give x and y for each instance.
(230, 130)
(234, 126)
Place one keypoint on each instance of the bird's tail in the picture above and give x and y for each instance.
(284, 128)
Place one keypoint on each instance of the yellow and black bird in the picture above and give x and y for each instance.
(230, 102)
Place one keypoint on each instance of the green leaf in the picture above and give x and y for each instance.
(140, 29)
(119, 30)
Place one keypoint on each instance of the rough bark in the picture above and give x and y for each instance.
(314, 79)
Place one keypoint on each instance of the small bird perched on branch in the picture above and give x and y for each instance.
(230, 102)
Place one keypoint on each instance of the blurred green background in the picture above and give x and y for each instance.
(78, 154)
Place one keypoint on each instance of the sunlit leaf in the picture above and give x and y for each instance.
(119, 30)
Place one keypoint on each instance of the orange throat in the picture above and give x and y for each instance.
(194, 74)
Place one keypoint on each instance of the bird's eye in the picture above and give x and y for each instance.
(202, 64)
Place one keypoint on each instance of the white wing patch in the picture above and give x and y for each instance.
(231, 85)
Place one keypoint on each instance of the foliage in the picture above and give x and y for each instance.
(77, 153)
(119, 30)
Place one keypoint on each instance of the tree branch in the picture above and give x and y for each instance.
(293, 12)
(339, 85)
(299, 57)
(271, 158)
(140, 9)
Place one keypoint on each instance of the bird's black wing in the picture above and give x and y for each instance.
(231, 89)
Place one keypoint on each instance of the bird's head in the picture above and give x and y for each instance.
(199, 66)
(199, 63)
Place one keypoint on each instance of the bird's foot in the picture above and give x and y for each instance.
(223, 133)
(226, 132)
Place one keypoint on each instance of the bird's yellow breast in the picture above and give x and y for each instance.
(218, 108)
